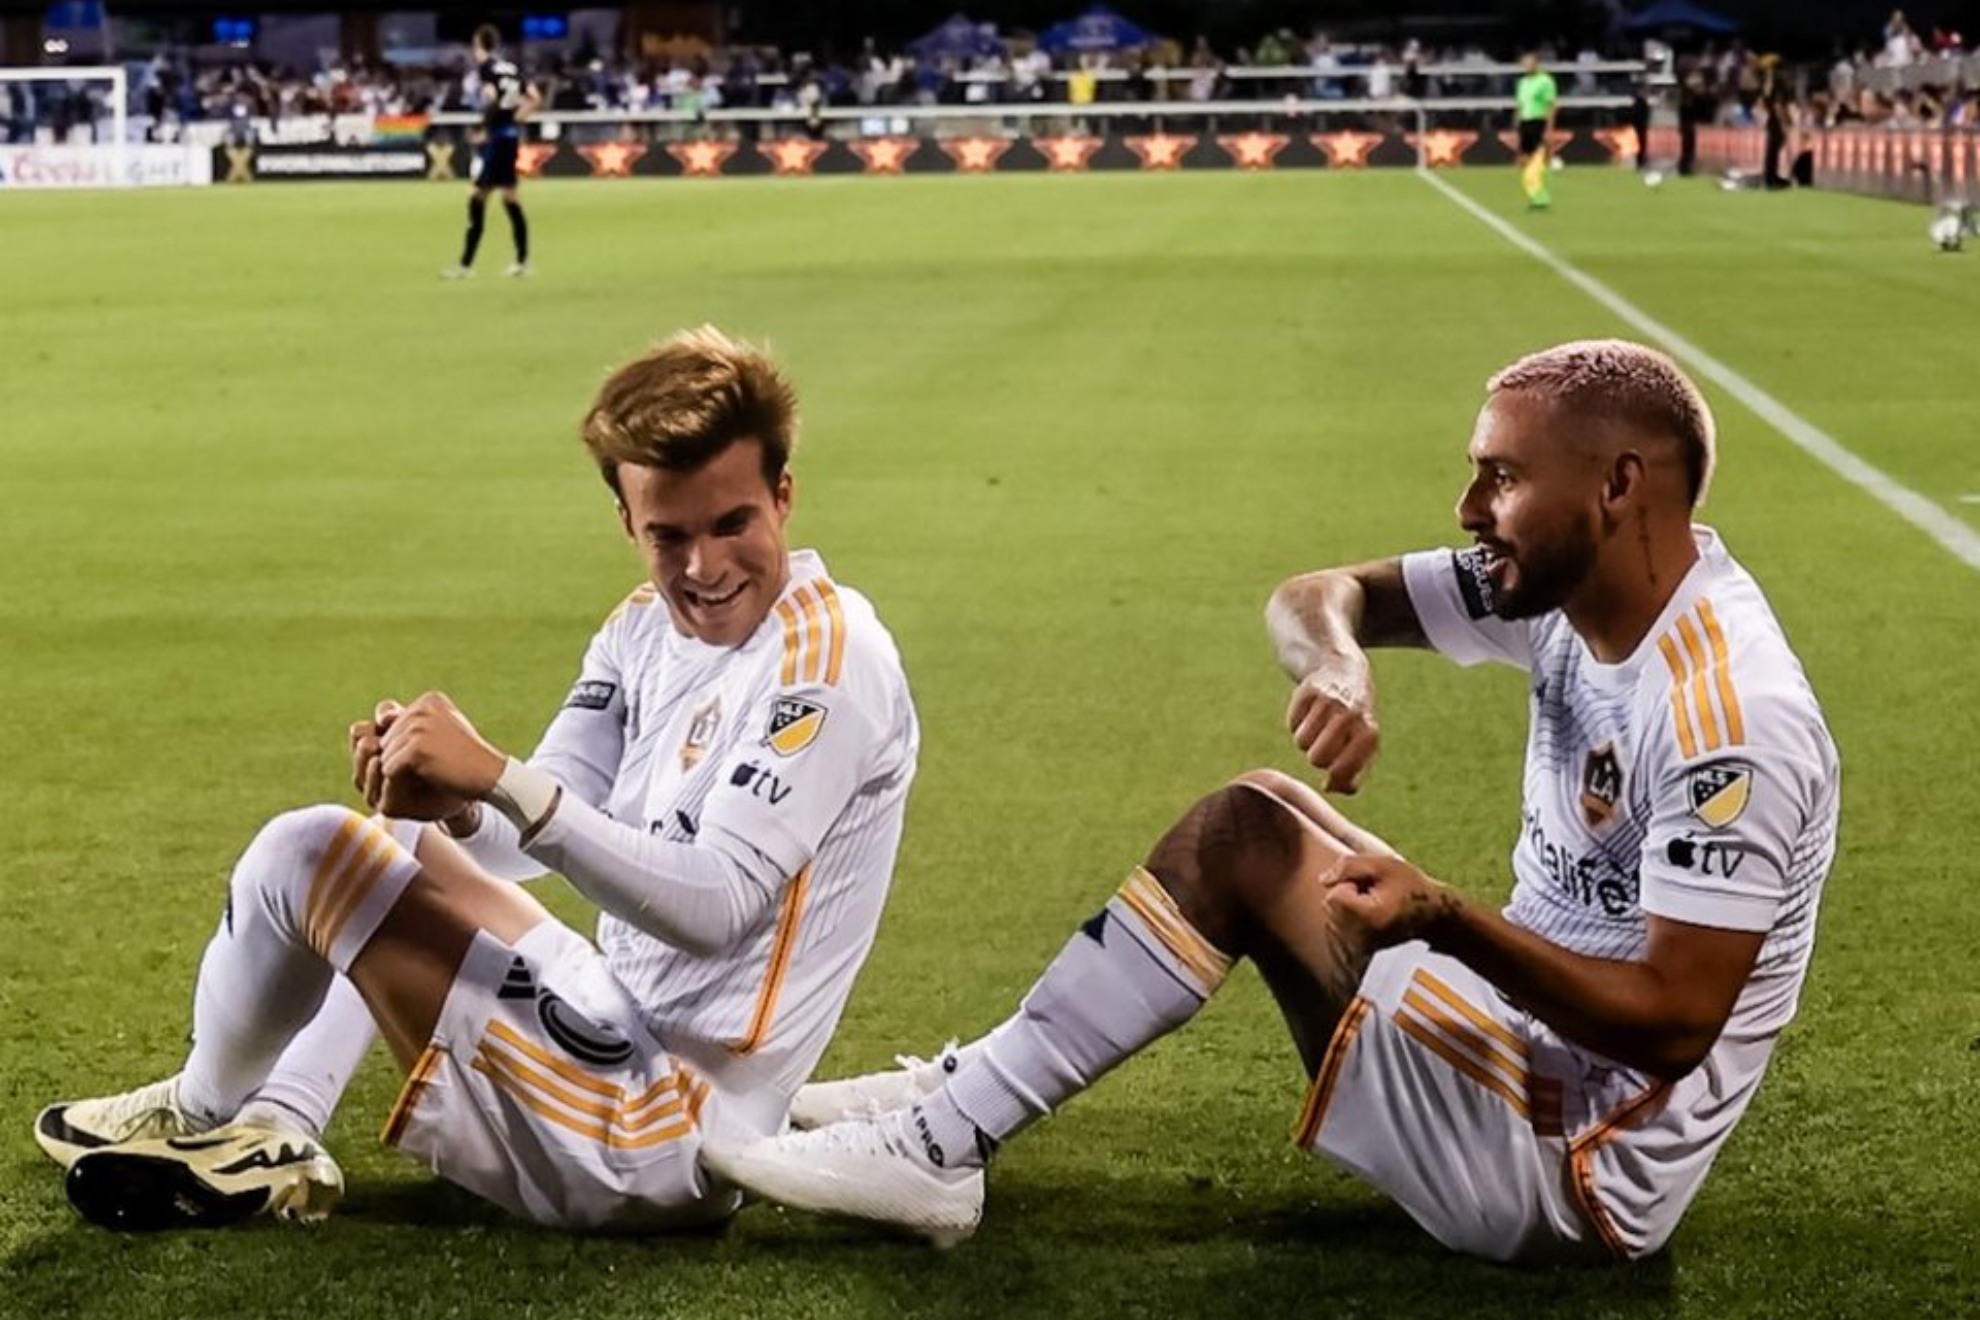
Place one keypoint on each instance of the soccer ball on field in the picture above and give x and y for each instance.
(1948, 230)
(1653, 178)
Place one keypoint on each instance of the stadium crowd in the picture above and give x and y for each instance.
(1902, 80)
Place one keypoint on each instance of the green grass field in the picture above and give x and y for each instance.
(258, 468)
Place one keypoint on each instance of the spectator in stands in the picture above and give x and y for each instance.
(1777, 110)
(1206, 71)
(1030, 70)
(1902, 47)
(1381, 81)
(1325, 62)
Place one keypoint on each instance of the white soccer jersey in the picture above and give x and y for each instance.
(1694, 780)
(800, 744)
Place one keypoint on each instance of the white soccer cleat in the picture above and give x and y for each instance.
(457, 273)
(207, 1181)
(819, 1103)
(871, 1168)
(70, 1130)
(519, 270)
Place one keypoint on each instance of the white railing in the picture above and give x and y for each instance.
(1026, 111)
(1280, 72)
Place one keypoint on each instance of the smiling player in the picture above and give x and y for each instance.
(726, 781)
(1551, 1080)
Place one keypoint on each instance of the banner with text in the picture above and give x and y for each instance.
(145, 165)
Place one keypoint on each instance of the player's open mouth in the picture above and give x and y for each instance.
(703, 600)
(1496, 558)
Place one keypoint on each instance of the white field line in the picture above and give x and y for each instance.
(1958, 538)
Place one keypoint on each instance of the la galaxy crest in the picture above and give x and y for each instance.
(1719, 792)
(794, 725)
(1601, 786)
(701, 732)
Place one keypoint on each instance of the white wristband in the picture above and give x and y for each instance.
(527, 797)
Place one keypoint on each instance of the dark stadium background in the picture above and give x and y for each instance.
(1798, 27)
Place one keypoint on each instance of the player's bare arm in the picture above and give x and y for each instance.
(1660, 1013)
(1321, 625)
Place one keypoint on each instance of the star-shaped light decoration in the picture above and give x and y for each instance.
(794, 155)
(1253, 151)
(1161, 151)
(885, 155)
(612, 160)
(703, 159)
(1068, 153)
(1346, 150)
(530, 157)
(1442, 147)
(976, 155)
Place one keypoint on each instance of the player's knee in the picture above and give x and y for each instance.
(1227, 851)
(1276, 782)
(287, 852)
(307, 833)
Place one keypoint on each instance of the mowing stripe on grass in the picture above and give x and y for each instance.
(1959, 539)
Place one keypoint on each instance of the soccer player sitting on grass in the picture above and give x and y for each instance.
(726, 781)
(1553, 1080)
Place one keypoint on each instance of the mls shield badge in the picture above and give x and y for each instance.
(1601, 786)
(1719, 792)
(794, 725)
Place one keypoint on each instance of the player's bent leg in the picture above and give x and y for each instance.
(1311, 1009)
(1480, 1122)
(1243, 865)
(320, 890)
(252, 997)
(1309, 802)
(304, 898)
(408, 966)
(532, 1079)
(1237, 874)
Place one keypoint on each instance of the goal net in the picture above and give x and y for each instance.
(66, 128)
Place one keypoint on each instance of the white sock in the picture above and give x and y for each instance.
(306, 1083)
(1134, 973)
(305, 897)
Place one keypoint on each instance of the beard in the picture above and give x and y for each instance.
(1546, 574)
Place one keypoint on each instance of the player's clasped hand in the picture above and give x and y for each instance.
(1332, 721)
(1389, 900)
(429, 763)
(368, 750)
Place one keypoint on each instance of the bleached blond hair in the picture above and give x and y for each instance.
(1616, 380)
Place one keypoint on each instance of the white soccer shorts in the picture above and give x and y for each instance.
(1477, 1119)
(543, 1091)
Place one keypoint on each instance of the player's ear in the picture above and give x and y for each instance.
(625, 518)
(781, 496)
(1625, 478)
